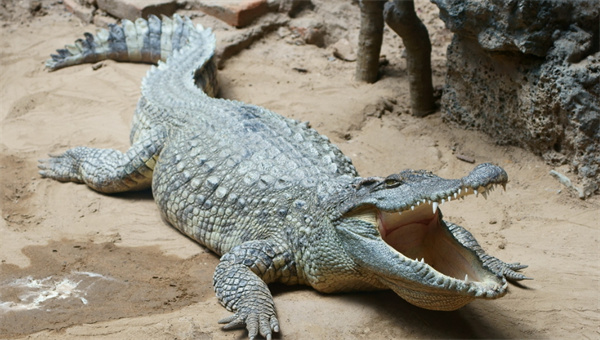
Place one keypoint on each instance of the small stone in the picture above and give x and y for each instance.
(97, 65)
(309, 31)
(283, 32)
(343, 50)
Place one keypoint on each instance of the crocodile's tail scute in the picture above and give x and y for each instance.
(146, 41)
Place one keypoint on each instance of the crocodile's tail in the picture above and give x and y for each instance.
(145, 41)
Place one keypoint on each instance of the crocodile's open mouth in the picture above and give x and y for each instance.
(402, 242)
(419, 234)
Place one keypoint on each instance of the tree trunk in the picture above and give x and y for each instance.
(369, 40)
(401, 17)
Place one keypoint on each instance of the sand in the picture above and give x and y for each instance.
(75, 263)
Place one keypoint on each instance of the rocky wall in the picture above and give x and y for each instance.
(527, 72)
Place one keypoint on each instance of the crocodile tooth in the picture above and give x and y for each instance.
(443, 201)
(476, 193)
(484, 194)
(422, 260)
(449, 198)
(459, 191)
(399, 212)
(434, 206)
(456, 195)
(412, 207)
(466, 277)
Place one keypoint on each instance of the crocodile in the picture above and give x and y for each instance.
(275, 199)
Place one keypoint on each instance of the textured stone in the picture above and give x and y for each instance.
(309, 30)
(343, 50)
(133, 9)
(528, 74)
(236, 13)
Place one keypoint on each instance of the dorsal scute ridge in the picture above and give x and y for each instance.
(173, 81)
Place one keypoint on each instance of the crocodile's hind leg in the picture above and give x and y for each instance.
(108, 170)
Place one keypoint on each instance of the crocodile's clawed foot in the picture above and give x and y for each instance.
(255, 323)
(63, 167)
(511, 271)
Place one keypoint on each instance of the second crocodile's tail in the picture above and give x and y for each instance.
(145, 41)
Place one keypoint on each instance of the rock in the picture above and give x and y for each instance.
(309, 30)
(528, 74)
(236, 13)
(379, 108)
(133, 9)
(343, 50)
(80, 10)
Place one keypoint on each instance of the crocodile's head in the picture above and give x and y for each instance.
(393, 229)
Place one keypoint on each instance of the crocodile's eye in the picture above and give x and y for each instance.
(392, 181)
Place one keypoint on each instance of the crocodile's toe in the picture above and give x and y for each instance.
(263, 323)
(61, 167)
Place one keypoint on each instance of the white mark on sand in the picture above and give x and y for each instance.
(33, 293)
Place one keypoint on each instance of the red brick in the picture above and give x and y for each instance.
(234, 12)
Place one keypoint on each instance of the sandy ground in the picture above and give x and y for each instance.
(75, 263)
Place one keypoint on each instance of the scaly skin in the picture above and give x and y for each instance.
(277, 200)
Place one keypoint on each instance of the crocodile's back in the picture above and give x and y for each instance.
(236, 171)
(220, 170)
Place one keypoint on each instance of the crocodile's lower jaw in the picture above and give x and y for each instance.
(450, 275)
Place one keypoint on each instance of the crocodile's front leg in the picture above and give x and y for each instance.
(240, 282)
(108, 170)
(501, 268)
